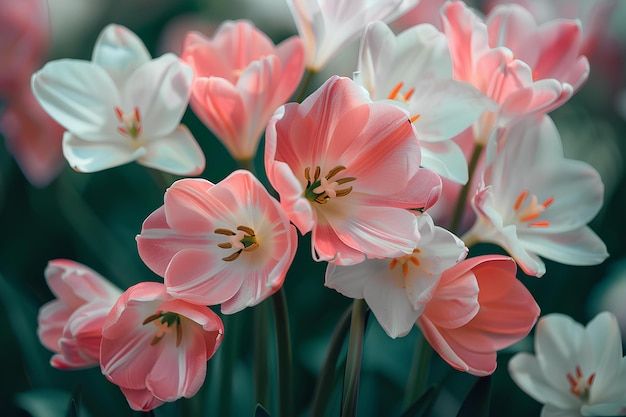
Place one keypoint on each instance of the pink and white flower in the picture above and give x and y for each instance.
(482, 55)
(398, 289)
(327, 26)
(71, 325)
(577, 371)
(228, 243)
(155, 347)
(240, 78)
(535, 202)
(121, 106)
(478, 308)
(414, 70)
(348, 170)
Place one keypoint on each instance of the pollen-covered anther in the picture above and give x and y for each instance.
(532, 211)
(580, 386)
(131, 122)
(404, 261)
(322, 189)
(164, 321)
(243, 240)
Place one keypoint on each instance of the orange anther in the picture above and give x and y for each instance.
(520, 200)
(395, 91)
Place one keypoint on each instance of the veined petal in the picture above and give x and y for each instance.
(162, 106)
(85, 155)
(178, 153)
(120, 52)
(446, 159)
(186, 208)
(578, 247)
(80, 96)
(604, 333)
(141, 399)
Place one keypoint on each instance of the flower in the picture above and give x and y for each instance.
(348, 170)
(227, 243)
(240, 78)
(71, 325)
(327, 26)
(398, 289)
(414, 70)
(155, 347)
(536, 202)
(577, 371)
(481, 56)
(478, 308)
(121, 106)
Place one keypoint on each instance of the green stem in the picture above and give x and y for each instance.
(227, 364)
(324, 385)
(353, 359)
(457, 216)
(419, 370)
(304, 84)
(283, 353)
(247, 164)
(261, 363)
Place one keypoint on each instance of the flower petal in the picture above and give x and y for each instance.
(90, 156)
(177, 153)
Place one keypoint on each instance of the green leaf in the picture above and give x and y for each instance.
(477, 402)
(261, 412)
(43, 402)
(418, 408)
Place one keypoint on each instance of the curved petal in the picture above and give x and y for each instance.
(177, 153)
(120, 52)
(141, 399)
(578, 247)
(80, 96)
(446, 159)
(186, 207)
(162, 106)
(91, 156)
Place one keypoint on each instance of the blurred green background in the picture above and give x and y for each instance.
(94, 218)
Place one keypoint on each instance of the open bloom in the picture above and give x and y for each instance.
(327, 26)
(577, 371)
(240, 78)
(228, 243)
(478, 307)
(398, 289)
(535, 75)
(536, 202)
(71, 325)
(155, 347)
(348, 170)
(121, 106)
(414, 70)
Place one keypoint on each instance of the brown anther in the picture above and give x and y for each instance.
(179, 332)
(246, 229)
(232, 257)
(155, 340)
(225, 245)
(345, 191)
(334, 172)
(152, 317)
(225, 232)
(252, 247)
(345, 180)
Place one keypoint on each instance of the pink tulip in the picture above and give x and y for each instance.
(228, 243)
(155, 347)
(240, 79)
(71, 325)
(348, 170)
(536, 76)
(33, 138)
(478, 308)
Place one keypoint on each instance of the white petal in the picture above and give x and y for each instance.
(552, 411)
(446, 159)
(89, 156)
(604, 334)
(120, 52)
(160, 89)
(525, 371)
(79, 95)
(177, 153)
(578, 247)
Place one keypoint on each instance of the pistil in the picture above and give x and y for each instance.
(243, 240)
(322, 189)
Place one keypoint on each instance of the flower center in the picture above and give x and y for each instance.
(322, 189)
(165, 321)
(243, 240)
(404, 261)
(403, 98)
(580, 386)
(131, 122)
(532, 211)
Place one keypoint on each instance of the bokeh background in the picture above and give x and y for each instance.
(48, 211)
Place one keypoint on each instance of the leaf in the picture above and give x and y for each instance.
(73, 409)
(43, 402)
(418, 408)
(477, 402)
(261, 412)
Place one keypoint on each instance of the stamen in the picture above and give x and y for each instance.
(246, 229)
(531, 216)
(393, 263)
(543, 223)
(226, 232)
(244, 240)
(395, 91)
(414, 118)
(548, 202)
(232, 257)
(408, 94)
(321, 189)
(405, 269)
(520, 200)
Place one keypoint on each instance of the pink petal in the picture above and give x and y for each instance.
(186, 207)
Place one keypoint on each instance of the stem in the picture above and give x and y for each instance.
(283, 353)
(304, 84)
(353, 359)
(227, 364)
(457, 216)
(261, 363)
(247, 164)
(419, 370)
(324, 383)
